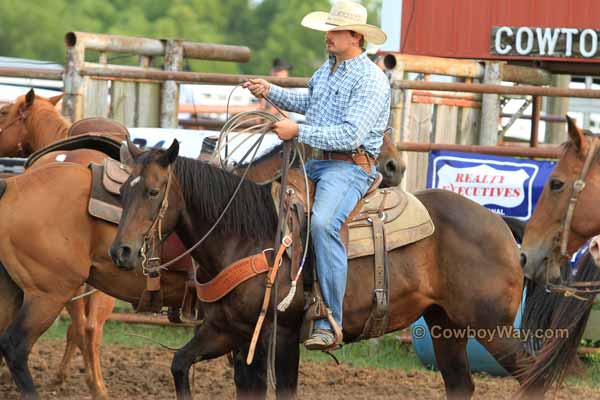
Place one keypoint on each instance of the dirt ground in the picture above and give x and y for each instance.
(144, 373)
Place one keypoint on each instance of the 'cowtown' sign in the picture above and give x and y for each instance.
(545, 42)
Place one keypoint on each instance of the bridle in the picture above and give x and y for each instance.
(578, 290)
(151, 260)
(20, 117)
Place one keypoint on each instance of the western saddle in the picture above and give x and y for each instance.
(383, 220)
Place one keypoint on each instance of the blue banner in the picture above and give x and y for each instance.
(506, 185)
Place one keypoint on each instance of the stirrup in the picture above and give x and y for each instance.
(321, 339)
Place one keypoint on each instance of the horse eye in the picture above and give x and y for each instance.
(556, 185)
(153, 192)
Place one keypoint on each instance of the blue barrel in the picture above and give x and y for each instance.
(480, 360)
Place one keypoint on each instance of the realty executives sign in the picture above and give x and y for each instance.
(508, 186)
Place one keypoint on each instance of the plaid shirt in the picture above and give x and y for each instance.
(344, 110)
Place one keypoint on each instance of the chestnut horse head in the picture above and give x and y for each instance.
(565, 215)
(30, 123)
(390, 163)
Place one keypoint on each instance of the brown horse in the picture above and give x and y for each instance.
(544, 234)
(30, 123)
(572, 189)
(47, 253)
(466, 274)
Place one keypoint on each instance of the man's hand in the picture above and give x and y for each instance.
(286, 129)
(258, 87)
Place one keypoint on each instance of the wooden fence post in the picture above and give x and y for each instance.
(170, 89)
(72, 107)
(490, 106)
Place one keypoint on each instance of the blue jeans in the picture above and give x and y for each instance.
(339, 187)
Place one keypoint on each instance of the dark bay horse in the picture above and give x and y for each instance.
(47, 253)
(466, 274)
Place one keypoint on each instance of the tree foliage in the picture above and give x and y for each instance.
(271, 28)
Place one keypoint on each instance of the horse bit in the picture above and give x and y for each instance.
(578, 290)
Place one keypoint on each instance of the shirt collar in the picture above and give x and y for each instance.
(348, 63)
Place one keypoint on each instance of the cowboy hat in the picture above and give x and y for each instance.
(345, 16)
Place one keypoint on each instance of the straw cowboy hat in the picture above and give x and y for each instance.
(345, 16)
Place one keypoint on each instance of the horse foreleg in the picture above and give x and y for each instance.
(287, 361)
(75, 336)
(207, 343)
(11, 298)
(250, 380)
(34, 318)
(100, 306)
(450, 355)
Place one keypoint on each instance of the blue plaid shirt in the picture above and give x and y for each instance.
(344, 110)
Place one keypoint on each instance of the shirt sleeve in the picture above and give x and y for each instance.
(290, 100)
(368, 100)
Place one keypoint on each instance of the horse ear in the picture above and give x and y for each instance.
(125, 156)
(132, 149)
(56, 99)
(29, 98)
(576, 135)
(173, 151)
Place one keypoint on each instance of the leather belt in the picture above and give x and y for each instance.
(360, 158)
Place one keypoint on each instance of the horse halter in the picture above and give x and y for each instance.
(576, 289)
(151, 261)
(21, 116)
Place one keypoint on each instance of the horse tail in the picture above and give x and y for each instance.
(563, 320)
(516, 226)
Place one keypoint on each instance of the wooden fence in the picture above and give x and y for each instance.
(421, 111)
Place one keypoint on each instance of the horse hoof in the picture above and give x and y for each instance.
(174, 315)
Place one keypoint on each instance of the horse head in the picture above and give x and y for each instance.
(18, 122)
(390, 163)
(565, 215)
(150, 208)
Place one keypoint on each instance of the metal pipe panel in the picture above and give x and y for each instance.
(515, 151)
(499, 89)
(190, 77)
(33, 73)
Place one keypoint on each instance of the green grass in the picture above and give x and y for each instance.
(385, 352)
(119, 333)
(592, 376)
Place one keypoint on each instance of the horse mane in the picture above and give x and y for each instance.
(207, 189)
(48, 120)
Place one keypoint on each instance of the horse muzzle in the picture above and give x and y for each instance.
(392, 171)
(123, 256)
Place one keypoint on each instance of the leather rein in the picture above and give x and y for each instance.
(578, 290)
